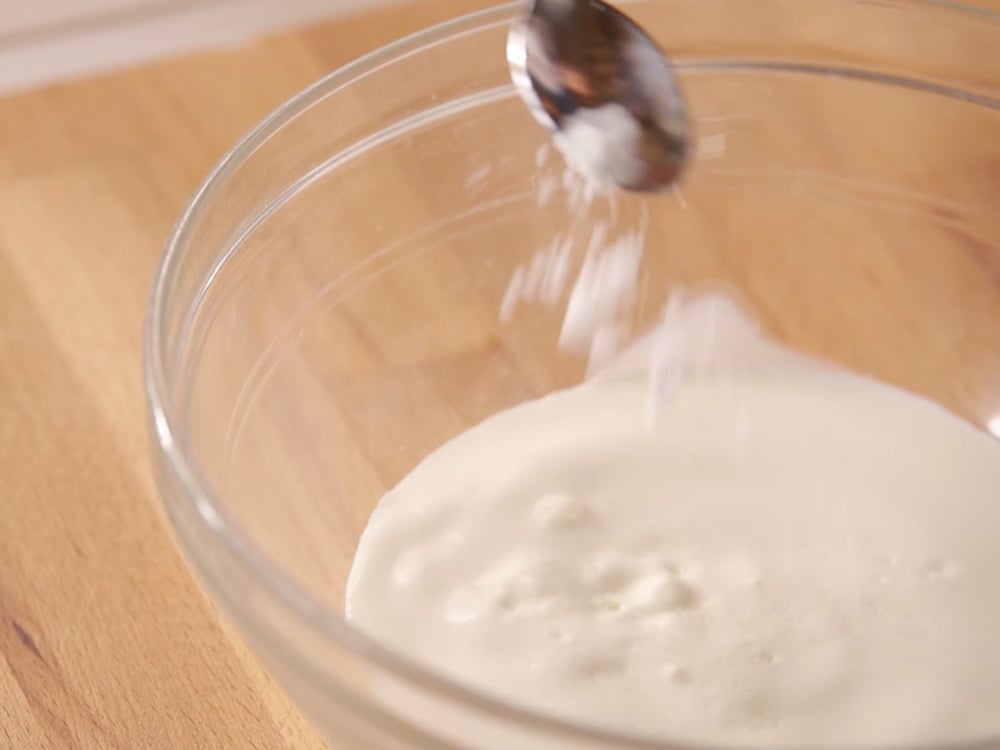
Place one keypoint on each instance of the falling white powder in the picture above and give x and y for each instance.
(513, 295)
(477, 176)
(605, 287)
(542, 155)
(543, 279)
(604, 293)
(547, 187)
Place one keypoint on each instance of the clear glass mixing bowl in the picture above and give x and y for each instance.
(327, 310)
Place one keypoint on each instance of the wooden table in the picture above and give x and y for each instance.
(106, 642)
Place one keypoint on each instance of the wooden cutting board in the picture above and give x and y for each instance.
(106, 642)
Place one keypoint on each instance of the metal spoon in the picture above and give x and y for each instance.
(606, 90)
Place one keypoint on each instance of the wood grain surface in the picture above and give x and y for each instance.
(106, 641)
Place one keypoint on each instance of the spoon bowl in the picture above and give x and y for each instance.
(605, 89)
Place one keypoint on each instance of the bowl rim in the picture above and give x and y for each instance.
(171, 455)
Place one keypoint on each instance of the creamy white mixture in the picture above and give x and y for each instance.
(753, 548)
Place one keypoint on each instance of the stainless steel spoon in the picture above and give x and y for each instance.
(605, 89)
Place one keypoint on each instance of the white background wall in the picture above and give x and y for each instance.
(43, 41)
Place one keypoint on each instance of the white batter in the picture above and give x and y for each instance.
(769, 551)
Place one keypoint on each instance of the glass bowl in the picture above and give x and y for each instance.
(327, 311)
